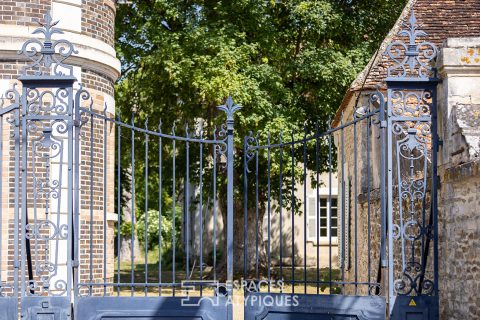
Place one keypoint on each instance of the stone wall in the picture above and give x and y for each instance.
(459, 171)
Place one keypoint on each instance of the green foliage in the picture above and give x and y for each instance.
(154, 227)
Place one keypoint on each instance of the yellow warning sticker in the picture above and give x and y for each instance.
(412, 303)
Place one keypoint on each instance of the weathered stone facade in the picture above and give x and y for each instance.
(89, 25)
(459, 171)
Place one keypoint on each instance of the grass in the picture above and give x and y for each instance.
(150, 273)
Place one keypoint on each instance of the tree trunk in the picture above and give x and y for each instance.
(126, 245)
(254, 234)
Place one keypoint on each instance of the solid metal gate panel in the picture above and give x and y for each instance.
(313, 307)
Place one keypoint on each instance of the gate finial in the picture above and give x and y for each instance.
(47, 56)
(412, 60)
(230, 108)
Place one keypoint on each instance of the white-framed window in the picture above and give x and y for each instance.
(327, 222)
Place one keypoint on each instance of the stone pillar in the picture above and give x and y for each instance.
(89, 25)
(459, 170)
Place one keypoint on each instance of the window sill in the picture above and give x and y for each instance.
(324, 242)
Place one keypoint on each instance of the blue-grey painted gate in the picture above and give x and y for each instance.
(310, 250)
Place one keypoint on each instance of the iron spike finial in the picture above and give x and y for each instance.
(160, 126)
(230, 108)
(411, 59)
(47, 56)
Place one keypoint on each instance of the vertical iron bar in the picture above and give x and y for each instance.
(201, 211)
(317, 223)
(268, 212)
(119, 204)
(16, 263)
(24, 186)
(174, 150)
(384, 127)
(256, 210)
(160, 161)
(230, 208)
(355, 173)
(187, 203)
(330, 208)
(280, 184)
(344, 234)
(132, 218)
(70, 193)
(389, 205)
(435, 180)
(105, 204)
(146, 209)
(76, 218)
(293, 211)
(369, 258)
(305, 209)
(245, 208)
(91, 207)
(215, 150)
(1, 198)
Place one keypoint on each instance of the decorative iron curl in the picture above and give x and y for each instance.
(412, 59)
(411, 281)
(250, 152)
(48, 52)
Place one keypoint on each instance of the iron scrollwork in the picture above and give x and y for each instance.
(412, 59)
(410, 117)
(48, 53)
(45, 117)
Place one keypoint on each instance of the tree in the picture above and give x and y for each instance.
(288, 63)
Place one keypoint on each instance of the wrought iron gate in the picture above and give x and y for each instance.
(310, 249)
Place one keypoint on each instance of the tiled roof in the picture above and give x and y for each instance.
(440, 19)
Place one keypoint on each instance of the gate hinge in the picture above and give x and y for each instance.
(75, 264)
(383, 124)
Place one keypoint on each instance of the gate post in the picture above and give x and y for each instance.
(230, 108)
(412, 145)
(46, 140)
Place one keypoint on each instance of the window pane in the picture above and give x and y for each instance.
(323, 202)
(323, 212)
(334, 212)
(334, 202)
(323, 222)
(323, 232)
(334, 232)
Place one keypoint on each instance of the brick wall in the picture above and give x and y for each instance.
(98, 19)
(23, 12)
